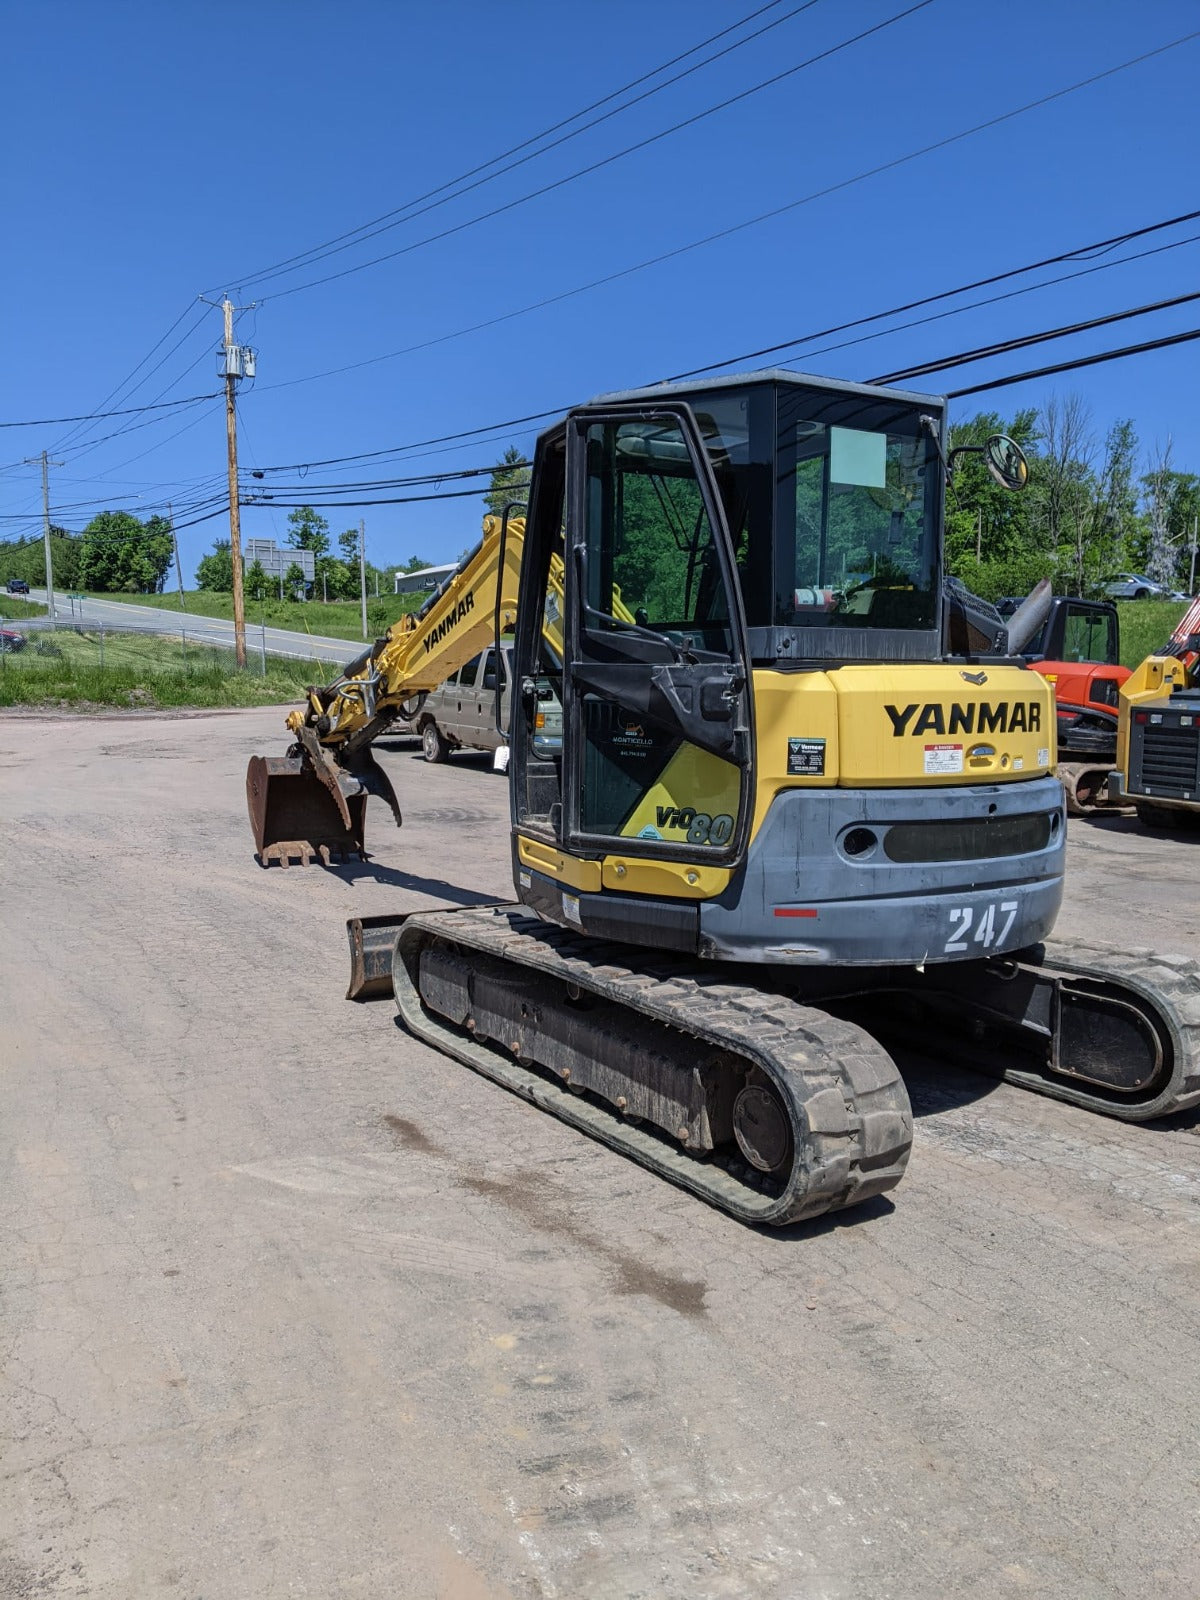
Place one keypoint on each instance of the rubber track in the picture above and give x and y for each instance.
(850, 1110)
(1171, 983)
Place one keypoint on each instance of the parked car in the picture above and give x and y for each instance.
(1133, 586)
(17, 586)
(11, 641)
(460, 714)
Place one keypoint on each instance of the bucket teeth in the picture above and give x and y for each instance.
(294, 817)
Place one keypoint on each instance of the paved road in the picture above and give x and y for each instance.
(207, 630)
(297, 1307)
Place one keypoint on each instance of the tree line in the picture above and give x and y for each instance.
(115, 554)
(1096, 504)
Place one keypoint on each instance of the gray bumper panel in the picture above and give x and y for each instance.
(804, 897)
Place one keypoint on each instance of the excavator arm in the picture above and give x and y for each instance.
(312, 801)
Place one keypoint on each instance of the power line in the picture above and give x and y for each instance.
(1080, 361)
(1005, 346)
(1078, 251)
(96, 416)
(1075, 364)
(988, 300)
(964, 288)
(749, 222)
(606, 161)
(402, 500)
(113, 393)
(855, 322)
(388, 483)
(129, 460)
(445, 438)
(74, 433)
(407, 213)
(322, 494)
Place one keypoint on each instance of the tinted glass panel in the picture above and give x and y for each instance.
(1089, 636)
(652, 568)
(856, 513)
(469, 674)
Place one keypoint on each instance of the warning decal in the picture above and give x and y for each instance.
(943, 758)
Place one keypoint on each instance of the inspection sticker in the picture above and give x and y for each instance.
(943, 758)
(806, 758)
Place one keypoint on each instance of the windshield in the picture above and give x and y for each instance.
(832, 497)
(857, 507)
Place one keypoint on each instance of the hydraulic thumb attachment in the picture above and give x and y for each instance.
(313, 801)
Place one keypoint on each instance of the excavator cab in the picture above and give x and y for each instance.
(747, 568)
(707, 532)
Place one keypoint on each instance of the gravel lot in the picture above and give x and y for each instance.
(296, 1307)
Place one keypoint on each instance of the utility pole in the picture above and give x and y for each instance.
(362, 570)
(178, 568)
(46, 465)
(1192, 578)
(233, 367)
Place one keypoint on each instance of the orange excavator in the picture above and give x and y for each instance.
(1077, 649)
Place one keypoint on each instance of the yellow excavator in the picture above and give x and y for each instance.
(1158, 732)
(804, 806)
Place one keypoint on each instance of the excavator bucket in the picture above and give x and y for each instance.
(294, 815)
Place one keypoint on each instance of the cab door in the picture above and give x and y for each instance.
(656, 697)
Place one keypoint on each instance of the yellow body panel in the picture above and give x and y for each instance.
(555, 863)
(681, 880)
(1155, 679)
(670, 880)
(883, 726)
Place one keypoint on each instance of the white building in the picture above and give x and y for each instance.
(425, 578)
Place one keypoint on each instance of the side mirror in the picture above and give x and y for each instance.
(1006, 462)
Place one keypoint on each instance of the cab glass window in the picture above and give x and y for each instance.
(857, 514)
(652, 566)
(1089, 636)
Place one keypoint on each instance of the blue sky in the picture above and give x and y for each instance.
(156, 152)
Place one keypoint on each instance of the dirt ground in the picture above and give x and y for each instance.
(296, 1307)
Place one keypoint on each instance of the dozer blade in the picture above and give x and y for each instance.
(372, 943)
(294, 816)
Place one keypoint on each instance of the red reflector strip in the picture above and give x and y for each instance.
(1140, 716)
(795, 911)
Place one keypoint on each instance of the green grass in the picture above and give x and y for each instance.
(13, 609)
(1146, 626)
(340, 619)
(143, 671)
